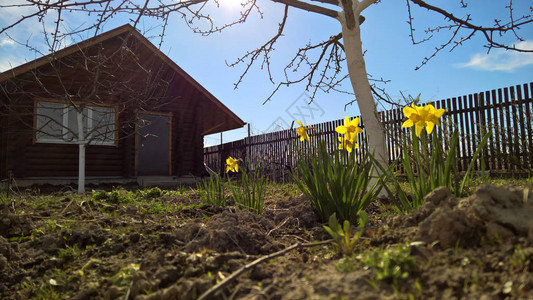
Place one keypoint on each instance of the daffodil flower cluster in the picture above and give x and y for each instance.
(302, 131)
(232, 164)
(422, 116)
(350, 130)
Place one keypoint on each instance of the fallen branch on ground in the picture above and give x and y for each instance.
(234, 275)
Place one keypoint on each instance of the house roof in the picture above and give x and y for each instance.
(232, 121)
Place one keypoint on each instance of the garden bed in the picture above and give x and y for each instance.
(170, 245)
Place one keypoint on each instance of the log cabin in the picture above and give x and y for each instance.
(142, 114)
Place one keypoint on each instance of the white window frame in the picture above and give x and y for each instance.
(40, 137)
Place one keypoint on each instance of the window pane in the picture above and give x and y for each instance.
(49, 121)
(58, 123)
(103, 124)
(71, 134)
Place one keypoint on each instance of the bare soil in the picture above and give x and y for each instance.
(75, 248)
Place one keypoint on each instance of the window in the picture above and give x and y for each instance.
(57, 123)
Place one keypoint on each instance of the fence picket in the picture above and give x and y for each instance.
(488, 128)
(508, 150)
(529, 120)
(482, 127)
(496, 131)
(461, 151)
(515, 152)
(522, 143)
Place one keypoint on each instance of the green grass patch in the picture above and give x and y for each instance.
(391, 264)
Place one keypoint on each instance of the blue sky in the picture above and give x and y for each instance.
(390, 55)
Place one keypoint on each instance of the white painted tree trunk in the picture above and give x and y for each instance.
(361, 86)
(81, 156)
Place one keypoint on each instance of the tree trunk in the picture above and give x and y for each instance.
(81, 156)
(361, 86)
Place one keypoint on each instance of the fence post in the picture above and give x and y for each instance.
(247, 145)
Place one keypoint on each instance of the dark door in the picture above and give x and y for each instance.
(153, 144)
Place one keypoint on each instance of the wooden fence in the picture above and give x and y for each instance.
(506, 112)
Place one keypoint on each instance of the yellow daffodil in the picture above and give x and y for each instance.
(347, 144)
(302, 131)
(232, 164)
(434, 117)
(421, 117)
(350, 129)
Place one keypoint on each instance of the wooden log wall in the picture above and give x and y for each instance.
(507, 113)
(3, 145)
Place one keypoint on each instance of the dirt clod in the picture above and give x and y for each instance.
(492, 212)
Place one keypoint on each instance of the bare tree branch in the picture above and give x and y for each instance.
(310, 7)
(348, 13)
(364, 4)
(465, 23)
(332, 2)
(325, 82)
(264, 50)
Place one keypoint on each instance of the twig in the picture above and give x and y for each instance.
(278, 226)
(88, 205)
(33, 216)
(129, 291)
(232, 296)
(295, 237)
(64, 209)
(234, 275)
(265, 291)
